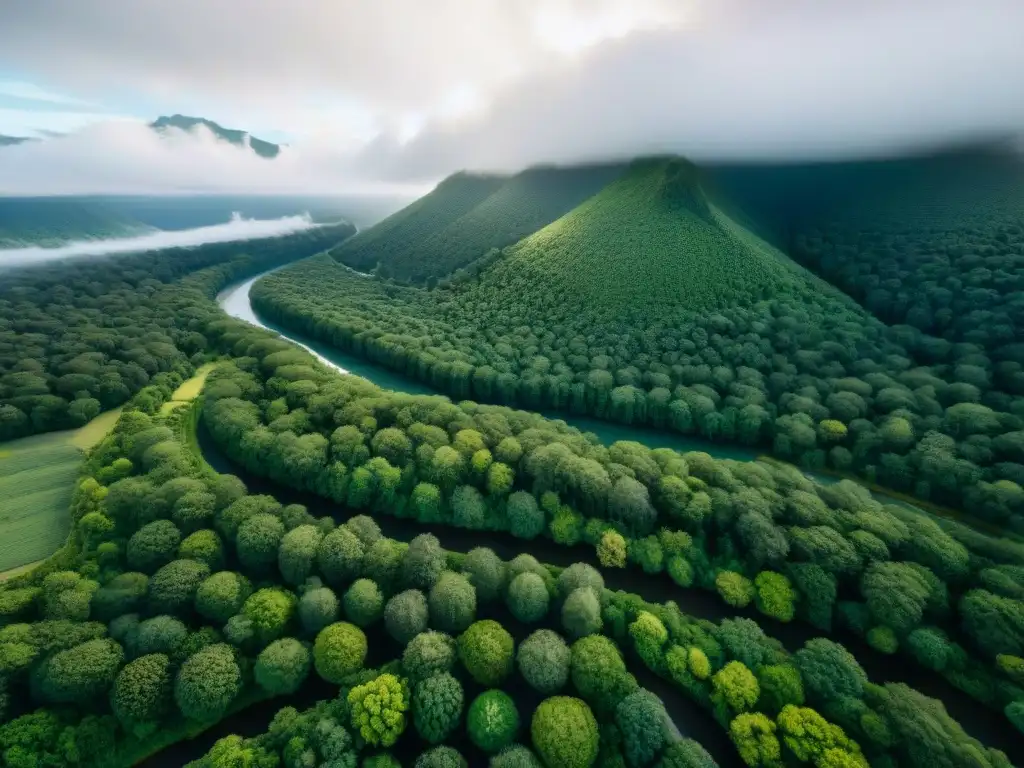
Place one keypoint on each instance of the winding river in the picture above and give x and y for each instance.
(991, 728)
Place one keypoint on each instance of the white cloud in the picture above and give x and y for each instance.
(31, 92)
(236, 229)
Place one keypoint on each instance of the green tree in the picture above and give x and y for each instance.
(543, 659)
(378, 709)
(487, 650)
(340, 650)
(492, 721)
(141, 693)
(564, 733)
(406, 615)
(207, 683)
(437, 704)
(282, 666)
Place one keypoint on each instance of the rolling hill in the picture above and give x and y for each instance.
(50, 221)
(468, 215)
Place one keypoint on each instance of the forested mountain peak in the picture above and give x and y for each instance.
(259, 146)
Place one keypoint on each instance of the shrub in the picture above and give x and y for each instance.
(543, 659)
(581, 613)
(486, 650)
(270, 610)
(122, 594)
(405, 615)
(282, 666)
(172, 589)
(364, 603)
(437, 705)
(775, 596)
(735, 588)
(365, 528)
(141, 693)
(525, 518)
(486, 573)
(515, 756)
(686, 753)
(423, 563)
(340, 555)
(297, 555)
(441, 757)
(528, 598)
(161, 634)
(222, 595)
(428, 653)
(780, 685)
(452, 603)
(339, 650)
(611, 550)
(564, 733)
(577, 576)
(204, 546)
(641, 720)
(318, 607)
(207, 683)
(153, 546)
(492, 721)
(78, 674)
(258, 540)
(378, 709)
(599, 672)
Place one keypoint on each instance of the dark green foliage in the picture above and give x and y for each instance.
(515, 756)
(641, 719)
(581, 613)
(428, 653)
(318, 607)
(492, 721)
(599, 673)
(207, 683)
(141, 693)
(406, 615)
(204, 546)
(486, 573)
(78, 674)
(258, 540)
(297, 555)
(173, 588)
(527, 597)
(122, 594)
(543, 659)
(452, 603)
(829, 671)
(282, 666)
(153, 546)
(487, 650)
(339, 555)
(686, 753)
(423, 562)
(161, 634)
(440, 757)
(437, 705)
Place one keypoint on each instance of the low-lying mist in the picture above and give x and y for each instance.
(237, 228)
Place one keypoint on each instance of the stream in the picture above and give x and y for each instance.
(989, 727)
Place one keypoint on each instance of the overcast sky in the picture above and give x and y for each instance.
(408, 91)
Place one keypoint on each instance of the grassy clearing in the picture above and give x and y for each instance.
(37, 478)
(190, 389)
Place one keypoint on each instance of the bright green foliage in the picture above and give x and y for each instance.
(204, 546)
(735, 588)
(452, 603)
(1012, 666)
(141, 693)
(153, 545)
(364, 602)
(378, 709)
(406, 615)
(543, 659)
(487, 650)
(492, 721)
(222, 595)
(735, 687)
(172, 589)
(339, 650)
(428, 653)
(78, 674)
(812, 739)
(883, 640)
(564, 733)
(649, 637)
(340, 555)
(527, 598)
(611, 550)
(755, 740)
(437, 705)
(207, 683)
(599, 673)
(581, 613)
(318, 607)
(282, 666)
(270, 610)
(641, 720)
(775, 596)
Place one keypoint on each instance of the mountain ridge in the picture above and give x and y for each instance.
(265, 149)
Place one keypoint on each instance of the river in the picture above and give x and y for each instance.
(989, 727)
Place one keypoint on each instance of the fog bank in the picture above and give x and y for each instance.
(236, 229)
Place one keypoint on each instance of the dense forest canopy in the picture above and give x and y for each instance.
(649, 305)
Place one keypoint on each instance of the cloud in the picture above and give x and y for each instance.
(130, 158)
(236, 229)
(743, 81)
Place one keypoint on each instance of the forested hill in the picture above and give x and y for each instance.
(468, 215)
(652, 238)
(48, 221)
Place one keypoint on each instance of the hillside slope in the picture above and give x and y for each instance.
(450, 227)
(49, 221)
